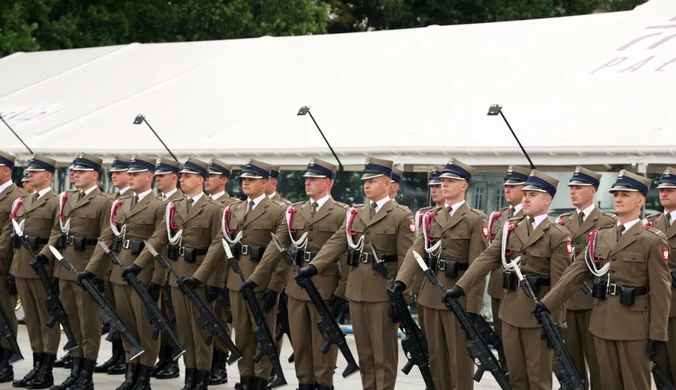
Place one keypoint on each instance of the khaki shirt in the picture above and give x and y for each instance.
(545, 253)
(638, 259)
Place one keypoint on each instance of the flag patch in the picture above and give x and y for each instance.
(484, 231)
(569, 248)
(411, 227)
(665, 254)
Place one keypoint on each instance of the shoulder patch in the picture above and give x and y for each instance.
(665, 254)
(343, 205)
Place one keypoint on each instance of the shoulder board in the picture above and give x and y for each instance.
(611, 215)
(281, 204)
(358, 205)
(298, 203)
(516, 220)
(342, 205)
(655, 231)
(502, 210)
(654, 216)
(560, 228)
(611, 226)
(566, 214)
(477, 212)
(402, 207)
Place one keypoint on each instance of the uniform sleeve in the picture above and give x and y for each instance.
(159, 239)
(215, 254)
(477, 244)
(5, 245)
(344, 273)
(53, 237)
(272, 271)
(405, 238)
(482, 265)
(567, 283)
(99, 260)
(410, 269)
(560, 261)
(332, 250)
(659, 279)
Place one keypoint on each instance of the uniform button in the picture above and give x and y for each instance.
(310, 228)
(309, 239)
(523, 263)
(243, 235)
(367, 232)
(443, 247)
(577, 242)
(613, 258)
(633, 257)
(541, 254)
(612, 270)
(444, 236)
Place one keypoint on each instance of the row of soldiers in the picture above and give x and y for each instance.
(617, 330)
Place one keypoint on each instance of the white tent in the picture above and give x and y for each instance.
(578, 90)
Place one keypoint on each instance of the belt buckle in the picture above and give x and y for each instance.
(364, 257)
(244, 250)
(307, 256)
(441, 265)
(612, 288)
(69, 240)
(181, 251)
(125, 244)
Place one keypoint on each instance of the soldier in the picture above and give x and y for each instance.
(135, 218)
(26, 185)
(396, 178)
(632, 288)
(166, 179)
(513, 184)
(116, 365)
(37, 213)
(83, 216)
(586, 217)
(271, 186)
(219, 175)
(255, 218)
(192, 224)
(389, 228)
(665, 223)
(8, 194)
(452, 238)
(545, 251)
(311, 224)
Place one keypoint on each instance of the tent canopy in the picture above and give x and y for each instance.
(587, 89)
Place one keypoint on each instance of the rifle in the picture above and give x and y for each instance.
(262, 335)
(413, 342)
(54, 306)
(153, 313)
(7, 331)
(478, 347)
(661, 380)
(283, 322)
(327, 325)
(108, 315)
(206, 317)
(564, 369)
(168, 303)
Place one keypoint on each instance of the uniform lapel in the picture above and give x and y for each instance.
(239, 209)
(628, 237)
(85, 199)
(365, 213)
(538, 232)
(382, 212)
(258, 210)
(306, 211)
(7, 190)
(195, 209)
(457, 216)
(441, 217)
(140, 206)
(34, 204)
(324, 210)
(589, 223)
(671, 231)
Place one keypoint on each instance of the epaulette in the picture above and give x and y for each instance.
(609, 214)
(477, 212)
(566, 214)
(281, 204)
(343, 205)
(298, 203)
(655, 231)
(560, 228)
(402, 207)
(516, 220)
(358, 205)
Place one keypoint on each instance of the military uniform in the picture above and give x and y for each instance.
(258, 261)
(83, 216)
(633, 291)
(311, 224)
(665, 223)
(134, 218)
(391, 230)
(38, 213)
(579, 341)
(545, 252)
(515, 176)
(9, 192)
(216, 284)
(452, 237)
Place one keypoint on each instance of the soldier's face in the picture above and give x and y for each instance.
(582, 196)
(191, 183)
(315, 186)
(535, 203)
(84, 180)
(270, 186)
(140, 181)
(377, 188)
(628, 203)
(253, 188)
(668, 198)
(513, 194)
(215, 183)
(165, 182)
(453, 188)
(394, 188)
(5, 174)
(119, 179)
(38, 179)
(436, 194)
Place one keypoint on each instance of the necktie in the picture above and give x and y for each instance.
(80, 195)
(580, 218)
(249, 208)
(620, 229)
(530, 225)
(669, 220)
(188, 203)
(36, 196)
(511, 213)
(134, 201)
(313, 211)
(373, 209)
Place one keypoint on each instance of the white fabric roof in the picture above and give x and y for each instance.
(417, 96)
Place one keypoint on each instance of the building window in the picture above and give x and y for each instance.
(478, 198)
(500, 198)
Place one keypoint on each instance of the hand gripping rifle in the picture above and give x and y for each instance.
(262, 335)
(327, 324)
(478, 348)
(563, 367)
(153, 313)
(206, 317)
(54, 306)
(413, 342)
(108, 315)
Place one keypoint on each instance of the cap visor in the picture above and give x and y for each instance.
(578, 183)
(666, 185)
(119, 169)
(371, 175)
(34, 169)
(215, 173)
(313, 174)
(189, 171)
(622, 188)
(250, 175)
(81, 168)
(434, 183)
(528, 187)
(136, 170)
(451, 175)
(514, 183)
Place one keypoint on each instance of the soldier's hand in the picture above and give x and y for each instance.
(154, 290)
(269, 300)
(539, 308)
(132, 269)
(41, 259)
(394, 313)
(454, 292)
(306, 272)
(100, 285)
(11, 285)
(192, 281)
(84, 275)
(396, 289)
(212, 293)
(248, 285)
(654, 348)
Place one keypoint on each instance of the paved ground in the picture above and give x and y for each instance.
(413, 381)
